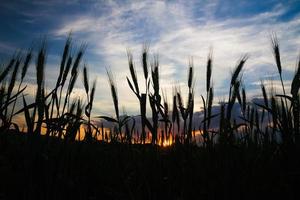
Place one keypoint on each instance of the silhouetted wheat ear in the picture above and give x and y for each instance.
(85, 79)
(180, 104)
(174, 103)
(66, 71)
(191, 73)
(239, 94)
(244, 98)
(26, 64)
(77, 60)
(7, 69)
(155, 74)
(238, 69)
(276, 53)
(40, 86)
(263, 89)
(11, 86)
(233, 97)
(40, 65)
(72, 81)
(145, 60)
(64, 59)
(93, 92)
(13, 78)
(113, 92)
(133, 72)
(208, 71)
(175, 113)
(296, 80)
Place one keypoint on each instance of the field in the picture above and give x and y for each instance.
(250, 156)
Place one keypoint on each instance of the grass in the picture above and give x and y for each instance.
(254, 155)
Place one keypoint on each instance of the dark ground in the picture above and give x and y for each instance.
(48, 168)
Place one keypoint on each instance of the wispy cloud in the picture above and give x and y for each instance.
(178, 31)
(6, 47)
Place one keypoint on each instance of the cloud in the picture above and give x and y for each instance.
(6, 47)
(178, 31)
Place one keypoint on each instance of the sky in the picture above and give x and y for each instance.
(176, 31)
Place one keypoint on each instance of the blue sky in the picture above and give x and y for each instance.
(176, 30)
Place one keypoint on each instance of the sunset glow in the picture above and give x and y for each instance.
(149, 99)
